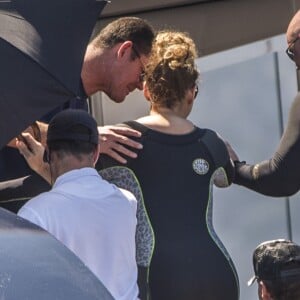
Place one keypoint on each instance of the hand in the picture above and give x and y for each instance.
(115, 139)
(37, 129)
(33, 152)
(43, 131)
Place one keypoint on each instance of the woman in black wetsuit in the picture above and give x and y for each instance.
(176, 169)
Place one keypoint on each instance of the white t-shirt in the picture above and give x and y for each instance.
(97, 221)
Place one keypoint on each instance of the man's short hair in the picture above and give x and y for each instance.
(134, 29)
(277, 264)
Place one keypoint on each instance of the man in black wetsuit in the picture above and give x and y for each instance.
(277, 270)
(278, 176)
(113, 63)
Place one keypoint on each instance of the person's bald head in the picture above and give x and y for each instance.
(293, 29)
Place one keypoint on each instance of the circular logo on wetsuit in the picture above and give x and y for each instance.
(200, 166)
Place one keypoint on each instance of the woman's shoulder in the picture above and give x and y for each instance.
(215, 143)
(135, 125)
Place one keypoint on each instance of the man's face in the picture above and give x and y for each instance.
(128, 74)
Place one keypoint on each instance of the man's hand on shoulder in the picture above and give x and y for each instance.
(115, 140)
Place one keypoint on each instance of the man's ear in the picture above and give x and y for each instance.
(124, 49)
(96, 154)
(264, 293)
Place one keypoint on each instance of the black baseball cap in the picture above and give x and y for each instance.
(276, 260)
(64, 126)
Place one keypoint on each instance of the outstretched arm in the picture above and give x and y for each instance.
(280, 175)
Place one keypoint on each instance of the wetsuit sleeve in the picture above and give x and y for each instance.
(228, 168)
(278, 176)
(221, 158)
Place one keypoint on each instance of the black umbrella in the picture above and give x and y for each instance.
(42, 45)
